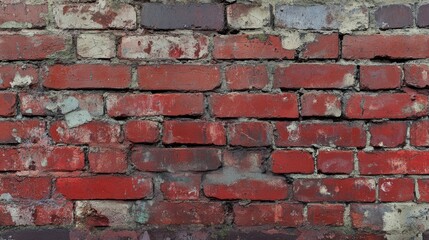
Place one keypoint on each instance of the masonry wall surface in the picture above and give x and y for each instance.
(274, 119)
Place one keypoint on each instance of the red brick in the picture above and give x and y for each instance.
(26, 188)
(324, 46)
(52, 158)
(175, 159)
(377, 77)
(250, 47)
(58, 158)
(326, 214)
(141, 131)
(316, 76)
(292, 161)
(24, 131)
(9, 160)
(423, 190)
(334, 190)
(246, 77)
(172, 104)
(7, 104)
(370, 216)
(54, 213)
(193, 132)
(164, 47)
(230, 184)
(185, 213)
(320, 104)
(178, 77)
(395, 189)
(244, 160)
(93, 16)
(181, 186)
(10, 211)
(307, 134)
(386, 105)
(419, 133)
(95, 132)
(416, 75)
(10, 72)
(104, 187)
(284, 105)
(250, 134)
(23, 15)
(393, 162)
(87, 76)
(41, 105)
(108, 160)
(335, 161)
(388, 134)
(385, 46)
(37, 47)
(281, 214)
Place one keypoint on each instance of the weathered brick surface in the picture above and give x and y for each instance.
(209, 119)
(394, 16)
(183, 16)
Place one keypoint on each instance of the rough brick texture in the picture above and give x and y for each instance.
(214, 119)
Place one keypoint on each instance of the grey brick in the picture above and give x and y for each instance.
(183, 16)
(321, 17)
(394, 16)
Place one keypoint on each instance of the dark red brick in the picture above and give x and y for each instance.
(36, 188)
(320, 104)
(107, 160)
(24, 131)
(186, 213)
(175, 159)
(377, 77)
(307, 134)
(141, 131)
(388, 134)
(250, 47)
(416, 75)
(385, 46)
(181, 186)
(281, 214)
(104, 187)
(230, 183)
(243, 77)
(334, 190)
(250, 134)
(292, 161)
(284, 105)
(37, 47)
(324, 46)
(171, 104)
(95, 132)
(7, 104)
(395, 189)
(23, 15)
(326, 214)
(178, 77)
(10, 72)
(335, 161)
(393, 162)
(419, 133)
(193, 132)
(87, 76)
(386, 105)
(314, 76)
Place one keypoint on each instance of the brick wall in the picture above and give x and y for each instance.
(274, 119)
